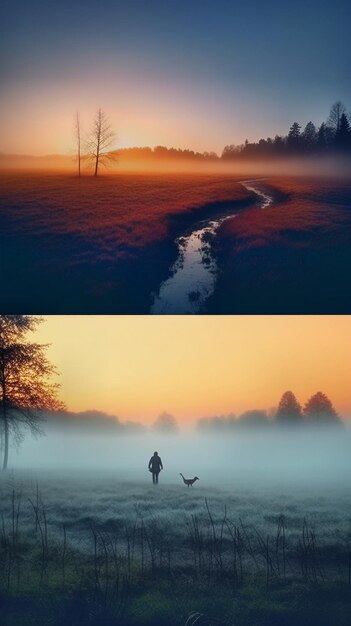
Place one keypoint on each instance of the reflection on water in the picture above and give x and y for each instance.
(254, 185)
(194, 273)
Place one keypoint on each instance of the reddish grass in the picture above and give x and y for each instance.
(313, 212)
(292, 257)
(118, 212)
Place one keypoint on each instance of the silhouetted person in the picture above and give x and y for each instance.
(155, 466)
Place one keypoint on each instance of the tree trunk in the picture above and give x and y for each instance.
(6, 444)
(78, 141)
(98, 142)
(78, 151)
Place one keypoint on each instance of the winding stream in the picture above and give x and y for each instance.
(194, 273)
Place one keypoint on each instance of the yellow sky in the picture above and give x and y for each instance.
(137, 366)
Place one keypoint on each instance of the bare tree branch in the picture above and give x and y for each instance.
(26, 386)
(100, 141)
(77, 129)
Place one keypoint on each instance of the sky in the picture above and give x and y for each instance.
(184, 73)
(136, 367)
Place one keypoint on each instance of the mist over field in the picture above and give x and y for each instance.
(320, 166)
(309, 457)
(270, 515)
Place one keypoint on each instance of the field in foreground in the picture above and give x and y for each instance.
(106, 245)
(292, 257)
(101, 245)
(92, 549)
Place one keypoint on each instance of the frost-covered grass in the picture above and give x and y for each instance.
(110, 503)
(92, 548)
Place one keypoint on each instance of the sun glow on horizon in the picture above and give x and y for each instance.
(168, 73)
(135, 367)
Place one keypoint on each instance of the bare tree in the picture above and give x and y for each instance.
(335, 114)
(100, 141)
(77, 128)
(25, 380)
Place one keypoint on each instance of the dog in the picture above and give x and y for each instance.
(188, 481)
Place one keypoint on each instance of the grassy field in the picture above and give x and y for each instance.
(98, 245)
(93, 549)
(105, 245)
(292, 257)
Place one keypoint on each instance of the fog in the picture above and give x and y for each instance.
(327, 165)
(278, 457)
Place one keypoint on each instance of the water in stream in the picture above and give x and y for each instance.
(193, 275)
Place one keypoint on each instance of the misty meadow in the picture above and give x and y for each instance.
(263, 537)
(228, 519)
(168, 231)
(175, 254)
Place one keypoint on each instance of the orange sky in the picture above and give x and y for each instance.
(137, 366)
(198, 74)
(40, 117)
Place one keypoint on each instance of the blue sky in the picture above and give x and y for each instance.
(202, 72)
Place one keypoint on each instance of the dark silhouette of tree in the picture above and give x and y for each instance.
(100, 141)
(331, 136)
(294, 137)
(78, 138)
(166, 423)
(25, 373)
(343, 134)
(279, 144)
(319, 410)
(289, 410)
(217, 424)
(254, 418)
(334, 119)
(321, 138)
(164, 153)
(309, 137)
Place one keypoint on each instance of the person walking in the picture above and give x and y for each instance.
(155, 466)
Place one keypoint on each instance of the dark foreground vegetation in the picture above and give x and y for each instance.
(291, 257)
(104, 247)
(207, 567)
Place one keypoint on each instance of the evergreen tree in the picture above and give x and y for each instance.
(321, 138)
(278, 144)
(294, 137)
(289, 410)
(309, 137)
(343, 135)
(319, 410)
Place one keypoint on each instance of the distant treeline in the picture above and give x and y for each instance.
(89, 421)
(318, 411)
(331, 137)
(161, 153)
(93, 421)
